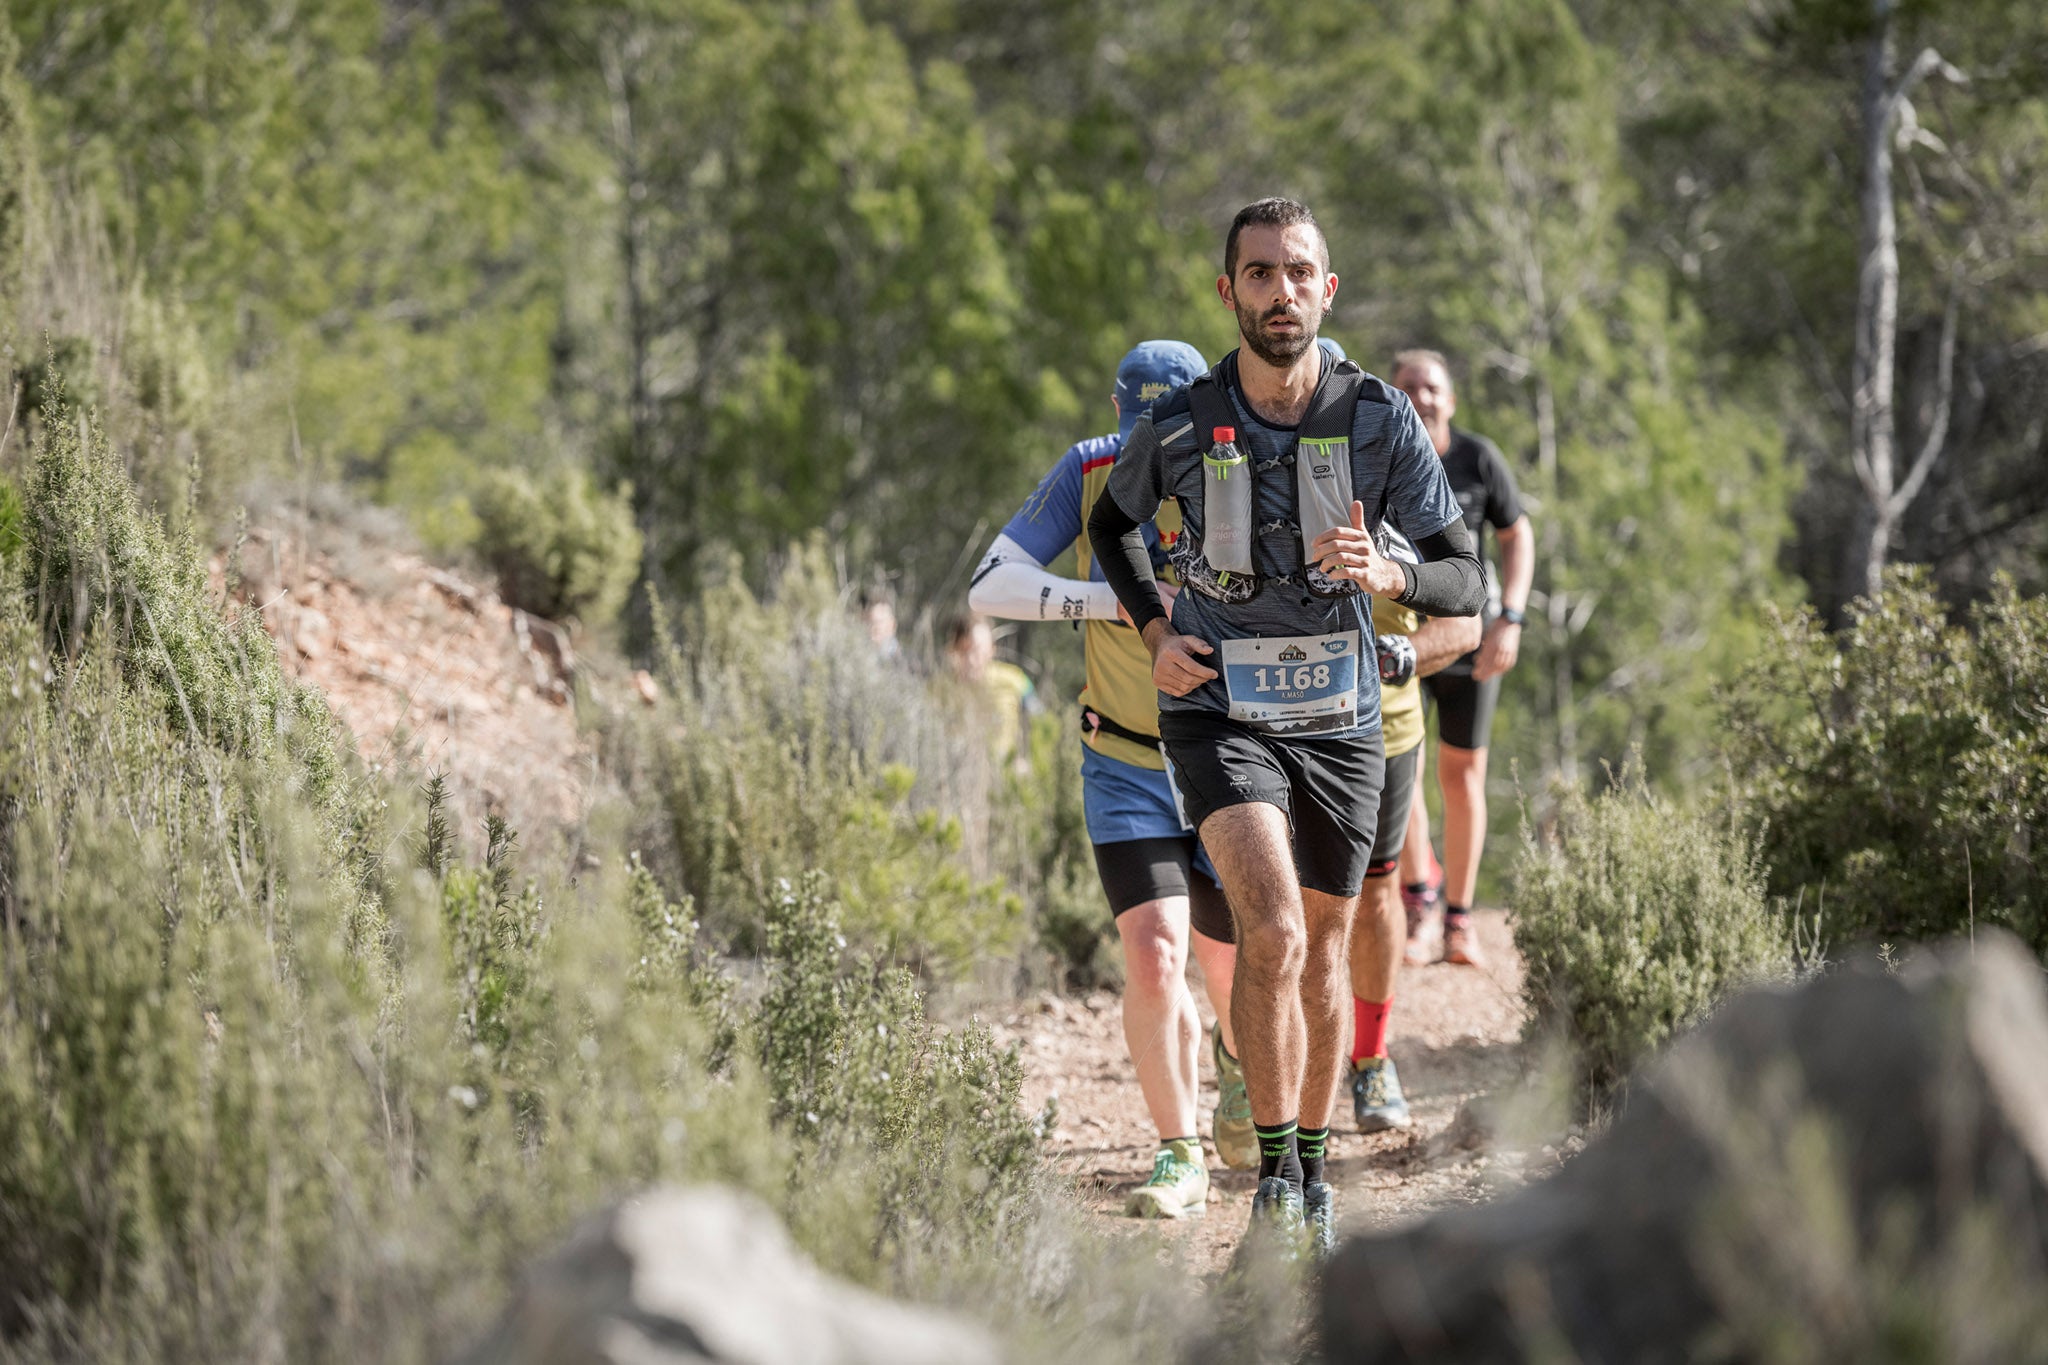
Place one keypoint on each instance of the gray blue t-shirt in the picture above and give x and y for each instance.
(1393, 467)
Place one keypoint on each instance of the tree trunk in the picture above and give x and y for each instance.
(1873, 409)
(1872, 417)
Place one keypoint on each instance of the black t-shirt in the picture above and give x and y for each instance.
(1486, 493)
(1485, 486)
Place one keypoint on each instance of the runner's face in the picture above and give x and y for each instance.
(1283, 288)
(1429, 389)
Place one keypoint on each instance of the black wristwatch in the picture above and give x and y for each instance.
(1511, 616)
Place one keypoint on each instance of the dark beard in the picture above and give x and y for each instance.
(1279, 352)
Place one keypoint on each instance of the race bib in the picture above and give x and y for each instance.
(1293, 684)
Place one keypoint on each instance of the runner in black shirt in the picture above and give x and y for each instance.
(1465, 692)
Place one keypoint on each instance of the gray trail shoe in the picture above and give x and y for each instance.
(1376, 1099)
(1278, 1230)
(1319, 1212)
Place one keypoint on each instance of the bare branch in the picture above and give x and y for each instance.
(1944, 402)
(1928, 63)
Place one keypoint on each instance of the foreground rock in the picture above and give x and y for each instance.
(705, 1274)
(1819, 1173)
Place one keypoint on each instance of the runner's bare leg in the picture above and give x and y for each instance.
(1461, 774)
(1161, 1027)
(1219, 963)
(1377, 934)
(1248, 843)
(1326, 1000)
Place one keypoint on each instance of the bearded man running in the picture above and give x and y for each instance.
(1268, 719)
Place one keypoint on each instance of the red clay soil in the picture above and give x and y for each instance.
(431, 673)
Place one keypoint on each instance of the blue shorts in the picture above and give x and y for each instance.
(1123, 801)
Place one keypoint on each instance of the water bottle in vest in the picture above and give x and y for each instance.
(1227, 512)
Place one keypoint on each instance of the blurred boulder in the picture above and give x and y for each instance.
(1824, 1169)
(680, 1276)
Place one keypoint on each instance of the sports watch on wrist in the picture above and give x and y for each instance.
(1511, 616)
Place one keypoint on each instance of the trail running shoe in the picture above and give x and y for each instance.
(1179, 1187)
(1461, 942)
(1236, 1143)
(1319, 1212)
(1277, 1227)
(1376, 1099)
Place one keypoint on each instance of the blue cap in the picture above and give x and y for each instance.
(1152, 370)
(1336, 351)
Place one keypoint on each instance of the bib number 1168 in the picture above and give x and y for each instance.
(1300, 678)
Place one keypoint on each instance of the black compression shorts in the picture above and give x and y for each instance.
(1328, 788)
(1464, 707)
(1396, 801)
(1135, 871)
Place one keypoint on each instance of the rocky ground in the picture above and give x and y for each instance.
(1454, 1037)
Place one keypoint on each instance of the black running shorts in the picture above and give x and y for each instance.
(1328, 788)
(1135, 871)
(1464, 707)
(1396, 801)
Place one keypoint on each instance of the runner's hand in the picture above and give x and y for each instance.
(1167, 592)
(1348, 552)
(1176, 670)
(1498, 650)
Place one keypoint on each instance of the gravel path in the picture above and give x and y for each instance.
(1454, 1036)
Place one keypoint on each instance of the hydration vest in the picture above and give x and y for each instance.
(1321, 459)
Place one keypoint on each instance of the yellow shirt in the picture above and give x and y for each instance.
(1119, 667)
(1401, 724)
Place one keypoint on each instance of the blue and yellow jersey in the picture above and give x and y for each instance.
(1119, 668)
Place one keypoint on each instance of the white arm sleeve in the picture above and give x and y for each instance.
(1010, 583)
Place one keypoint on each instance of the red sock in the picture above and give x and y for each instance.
(1369, 1028)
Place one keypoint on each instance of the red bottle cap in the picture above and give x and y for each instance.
(1223, 434)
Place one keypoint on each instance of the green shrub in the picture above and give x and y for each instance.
(862, 1077)
(560, 546)
(270, 1089)
(1634, 919)
(786, 746)
(1899, 772)
(13, 523)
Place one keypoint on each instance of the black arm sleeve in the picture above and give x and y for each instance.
(1449, 581)
(1119, 545)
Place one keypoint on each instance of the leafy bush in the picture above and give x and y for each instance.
(1634, 919)
(1899, 772)
(787, 745)
(270, 1087)
(858, 1071)
(560, 546)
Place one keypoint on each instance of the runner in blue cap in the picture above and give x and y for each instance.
(1158, 881)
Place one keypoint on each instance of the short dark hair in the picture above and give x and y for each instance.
(1270, 213)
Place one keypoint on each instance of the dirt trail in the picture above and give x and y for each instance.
(1453, 1036)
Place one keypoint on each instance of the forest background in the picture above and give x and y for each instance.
(865, 268)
